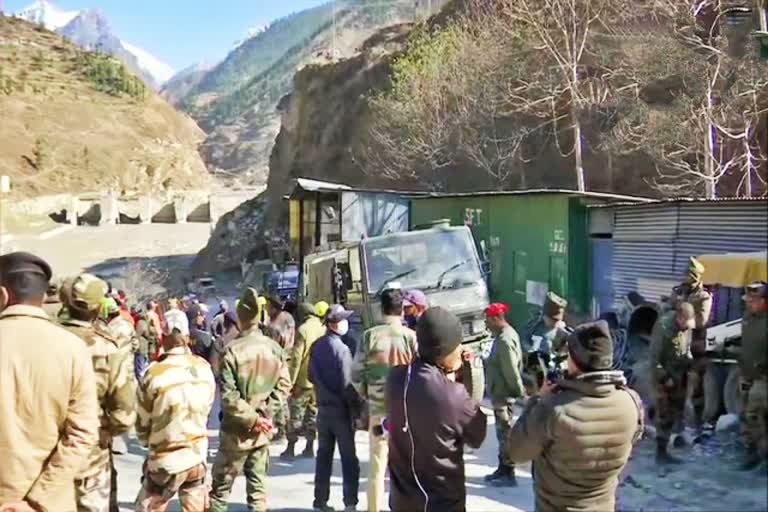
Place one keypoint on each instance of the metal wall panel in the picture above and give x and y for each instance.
(657, 222)
(652, 244)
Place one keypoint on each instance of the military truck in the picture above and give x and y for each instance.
(440, 260)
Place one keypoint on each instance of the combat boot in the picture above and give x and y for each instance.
(289, 454)
(663, 457)
(500, 472)
(309, 450)
(507, 479)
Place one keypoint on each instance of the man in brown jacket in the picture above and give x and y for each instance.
(579, 431)
(48, 412)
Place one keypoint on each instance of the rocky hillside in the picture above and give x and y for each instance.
(78, 121)
(321, 117)
(236, 101)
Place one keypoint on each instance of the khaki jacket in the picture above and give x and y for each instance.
(49, 415)
(579, 439)
(298, 358)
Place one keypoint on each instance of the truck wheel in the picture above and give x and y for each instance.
(474, 378)
(714, 380)
(732, 391)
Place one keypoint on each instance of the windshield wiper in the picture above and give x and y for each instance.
(398, 276)
(451, 269)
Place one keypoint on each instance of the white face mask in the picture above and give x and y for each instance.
(342, 328)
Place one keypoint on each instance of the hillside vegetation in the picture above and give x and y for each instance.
(79, 121)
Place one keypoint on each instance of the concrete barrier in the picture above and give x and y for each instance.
(106, 208)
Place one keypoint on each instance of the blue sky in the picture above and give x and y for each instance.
(181, 32)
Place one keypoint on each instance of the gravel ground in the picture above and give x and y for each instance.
(707, 481)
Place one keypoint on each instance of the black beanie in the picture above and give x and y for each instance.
(591, 346)
(438, 333)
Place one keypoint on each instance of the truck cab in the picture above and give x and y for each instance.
(442, 261)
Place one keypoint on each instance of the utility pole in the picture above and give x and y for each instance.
(333, 44)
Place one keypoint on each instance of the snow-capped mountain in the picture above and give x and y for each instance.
(42, 12)
(161, 71)
(90, 29)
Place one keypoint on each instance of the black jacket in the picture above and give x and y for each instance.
(441, 419)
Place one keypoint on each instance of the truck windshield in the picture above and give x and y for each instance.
(423, 260)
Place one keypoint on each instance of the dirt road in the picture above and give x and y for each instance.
(707, 481)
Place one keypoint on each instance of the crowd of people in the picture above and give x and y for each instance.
(98, 368)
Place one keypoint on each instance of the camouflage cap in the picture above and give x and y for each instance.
(248, 306)
(695, 270)
(306, 310)
(554, 306)
(86, 292)
(757, 289)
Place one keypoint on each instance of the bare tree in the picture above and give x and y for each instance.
(142, 281)
(708, 128)
(557, 87)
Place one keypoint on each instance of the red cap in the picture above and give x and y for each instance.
(496, 309)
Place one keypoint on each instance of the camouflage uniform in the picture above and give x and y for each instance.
(754, 380)
(282, 329)
(382, 347)
(254, 374)
(302, 406)
(670, 360)
(543, 340)
(116, 390)
(175, 399)
(693, 292)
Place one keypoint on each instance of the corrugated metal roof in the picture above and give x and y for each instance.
(682, 200)
(576, 193)
(309, 185)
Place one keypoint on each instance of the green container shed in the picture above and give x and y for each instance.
(534, 241)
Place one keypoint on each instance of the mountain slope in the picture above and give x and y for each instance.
(179, 85)
(90, 29)
(79, 121)
(239, 112)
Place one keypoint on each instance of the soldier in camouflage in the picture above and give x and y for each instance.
(282, 329)
(543, 339)
(753, 362)
(692, 291)
(302, 406)
(174, 401)
(254, 374)
(116, 389)
(670, 361)
(382, 347)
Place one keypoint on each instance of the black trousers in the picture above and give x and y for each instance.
(335, 427)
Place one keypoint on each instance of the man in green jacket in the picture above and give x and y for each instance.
(302, 408)
(670, 360)
(505, 384)
(753, 363)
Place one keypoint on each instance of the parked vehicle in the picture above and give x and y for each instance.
(442, 261)
(203, 287)
(732, 271)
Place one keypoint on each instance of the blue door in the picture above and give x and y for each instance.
(602, 282)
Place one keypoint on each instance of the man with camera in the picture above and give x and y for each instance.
(580, 429)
